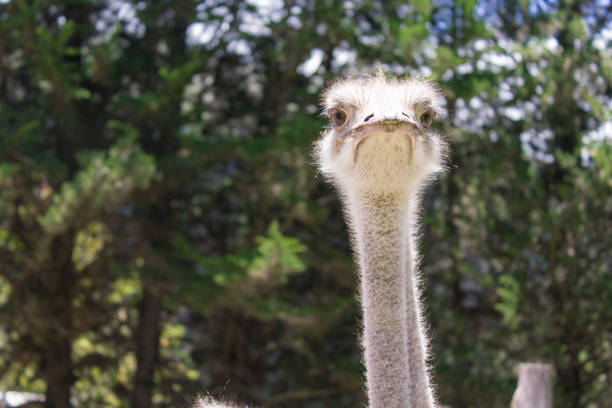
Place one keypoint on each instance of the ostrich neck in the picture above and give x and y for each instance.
(393, 340)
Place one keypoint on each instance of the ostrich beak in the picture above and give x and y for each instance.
(402, 125)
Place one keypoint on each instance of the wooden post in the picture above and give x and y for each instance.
(534, 388)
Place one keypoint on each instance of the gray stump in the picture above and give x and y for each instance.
(534, 388)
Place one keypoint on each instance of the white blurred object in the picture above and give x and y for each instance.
(14, 399)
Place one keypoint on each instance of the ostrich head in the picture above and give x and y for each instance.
(380, 136)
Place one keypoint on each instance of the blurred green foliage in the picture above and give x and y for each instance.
(164, 233)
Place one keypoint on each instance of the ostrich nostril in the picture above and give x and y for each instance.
(412, 121)
(370, 116)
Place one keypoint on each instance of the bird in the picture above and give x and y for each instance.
(209, 402)
(380, 151)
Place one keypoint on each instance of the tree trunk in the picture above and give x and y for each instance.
(58, 372)
(147, 347)
(56, 337)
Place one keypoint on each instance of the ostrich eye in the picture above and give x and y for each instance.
(427, 117)
(338, 117)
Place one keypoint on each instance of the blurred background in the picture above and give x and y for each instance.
(163, 231)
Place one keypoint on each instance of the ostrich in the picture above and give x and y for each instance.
(380, 151)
